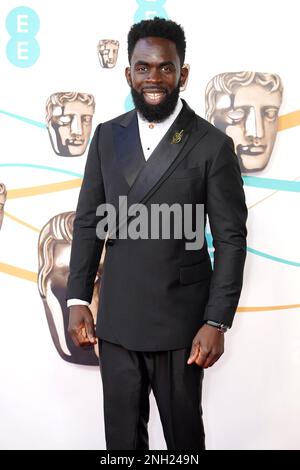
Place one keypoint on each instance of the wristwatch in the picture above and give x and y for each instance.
(221, 327)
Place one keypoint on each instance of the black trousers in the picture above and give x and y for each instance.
(127, 379)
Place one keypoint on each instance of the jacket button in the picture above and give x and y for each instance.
(110, 242)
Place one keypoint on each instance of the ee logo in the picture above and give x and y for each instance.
(149, 9)
(22, 24)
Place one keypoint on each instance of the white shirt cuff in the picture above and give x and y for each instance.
(77, 302)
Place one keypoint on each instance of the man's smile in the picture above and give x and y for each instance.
(154, 96)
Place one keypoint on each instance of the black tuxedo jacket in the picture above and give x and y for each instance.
(155, 294)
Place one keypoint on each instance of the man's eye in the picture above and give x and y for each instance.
(141, 68)
(166, 68)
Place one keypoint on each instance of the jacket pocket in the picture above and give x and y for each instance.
(195, 272)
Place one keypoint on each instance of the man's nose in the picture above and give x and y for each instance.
(154, 76)
(254, 125)
(76, 125)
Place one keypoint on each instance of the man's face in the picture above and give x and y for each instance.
(108, 53)
(250, 118)
(72, 126)
(155, 76)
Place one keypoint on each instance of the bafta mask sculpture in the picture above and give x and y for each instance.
(108, 52)
(3, 195)
(245, 105)
(54, 249)
(69, 122)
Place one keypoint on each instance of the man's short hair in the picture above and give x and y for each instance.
(161, 28)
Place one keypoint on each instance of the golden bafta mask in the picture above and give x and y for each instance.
(54, 249)
(3, 195)
(108, 52)
(69, 122)
(245, 105)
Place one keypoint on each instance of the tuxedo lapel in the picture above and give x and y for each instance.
(128, 148)
(178, 141)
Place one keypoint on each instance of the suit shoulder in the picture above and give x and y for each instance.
(213, 131)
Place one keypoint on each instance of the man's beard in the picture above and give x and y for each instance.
(156, 113)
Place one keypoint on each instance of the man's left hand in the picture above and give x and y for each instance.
(207, 346)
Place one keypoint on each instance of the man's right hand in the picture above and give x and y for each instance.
(81, 325)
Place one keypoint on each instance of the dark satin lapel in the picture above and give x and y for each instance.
(164, 159)
(128, 147)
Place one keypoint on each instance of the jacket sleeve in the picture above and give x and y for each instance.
(86, 246)
(227, 213)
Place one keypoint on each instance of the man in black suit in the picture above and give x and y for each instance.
(163, 311)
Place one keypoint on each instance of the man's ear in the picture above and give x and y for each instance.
(184, 74)
(128, 76)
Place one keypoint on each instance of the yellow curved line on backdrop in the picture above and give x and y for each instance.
(31, 276)
(20, 221)
(44, 189)
(265, 309)
(18, 272)
(286, 121)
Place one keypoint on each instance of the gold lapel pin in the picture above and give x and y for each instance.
(177, 137)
